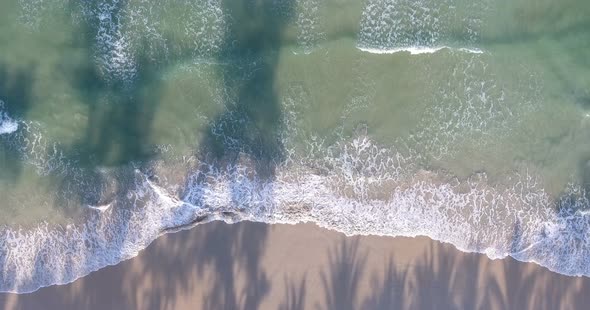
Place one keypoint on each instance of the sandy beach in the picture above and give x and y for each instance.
(260, 266)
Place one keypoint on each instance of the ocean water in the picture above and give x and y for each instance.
(121, 120)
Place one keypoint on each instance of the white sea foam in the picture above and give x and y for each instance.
(417, 50)
(127, 31)
(28, 141)
(7, 124)
(472, 106)
(33, 12)
(354, 185)
(308, 21)
(366, 190)
(101, 208)
(114, 54)
(205, 26)
(417, 26)
(53, 255)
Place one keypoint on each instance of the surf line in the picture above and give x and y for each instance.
(417, 50)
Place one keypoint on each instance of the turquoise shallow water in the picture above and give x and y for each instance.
(464, 121)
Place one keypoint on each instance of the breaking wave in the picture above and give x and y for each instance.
(356, 188)
(418, 26)
(353, 185)
(417, 50)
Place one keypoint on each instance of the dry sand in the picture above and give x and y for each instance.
(259, 266)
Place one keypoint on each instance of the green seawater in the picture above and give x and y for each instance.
(446, 91)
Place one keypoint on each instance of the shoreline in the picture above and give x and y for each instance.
(251, 265)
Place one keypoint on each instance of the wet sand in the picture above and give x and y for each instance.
(287, 267)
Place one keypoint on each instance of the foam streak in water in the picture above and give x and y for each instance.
(417, 50)
(417, 26)
(7, 124)
(357, 188)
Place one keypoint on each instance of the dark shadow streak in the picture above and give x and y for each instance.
(341, 281)
(246, 133)
(15, 92)
(294, 295)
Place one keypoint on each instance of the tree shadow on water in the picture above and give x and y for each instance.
(15, 89)
(248, 128)
(15, 94)
(116, 140)
(118, 133)
(121, 107)
(120, 113)
(250, 124)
